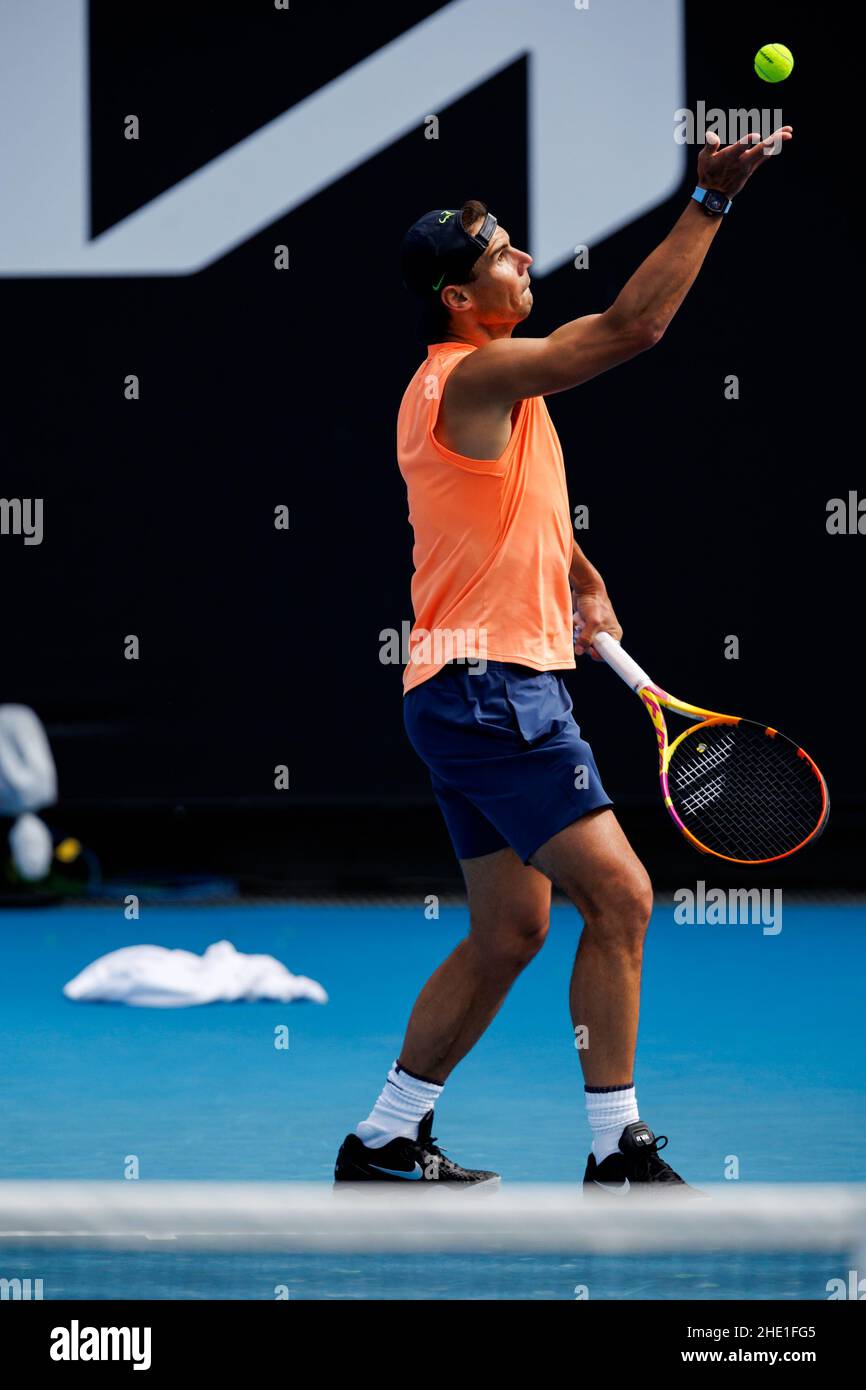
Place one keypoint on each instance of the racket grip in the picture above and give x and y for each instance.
(620, 661)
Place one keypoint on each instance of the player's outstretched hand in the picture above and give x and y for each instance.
(728, 168)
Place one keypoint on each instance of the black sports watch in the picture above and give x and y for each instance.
(714, 203)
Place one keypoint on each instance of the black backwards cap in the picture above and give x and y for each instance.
(438, 251)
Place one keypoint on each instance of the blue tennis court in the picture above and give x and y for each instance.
(751, 1050)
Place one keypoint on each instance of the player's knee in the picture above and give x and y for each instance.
(619, 909)
(526, 937)
(516, 941)
(638, 907)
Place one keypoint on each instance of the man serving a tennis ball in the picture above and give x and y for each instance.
(497, 567)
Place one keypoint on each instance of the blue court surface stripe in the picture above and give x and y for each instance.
(752, 1048)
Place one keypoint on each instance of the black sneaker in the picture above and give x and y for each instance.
(405, 1160)
(637, 1162)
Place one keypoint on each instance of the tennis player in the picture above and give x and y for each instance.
(504, 599)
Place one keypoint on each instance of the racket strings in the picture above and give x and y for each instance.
(743, 793)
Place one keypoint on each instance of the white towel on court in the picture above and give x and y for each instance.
(154, 977)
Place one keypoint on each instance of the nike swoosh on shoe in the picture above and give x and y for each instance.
(409, 1174)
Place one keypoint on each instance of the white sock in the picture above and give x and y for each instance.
(403, 1103)
(609, 1109)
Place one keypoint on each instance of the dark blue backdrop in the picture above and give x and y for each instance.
(258, 647)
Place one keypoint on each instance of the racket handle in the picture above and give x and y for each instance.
(620, 661)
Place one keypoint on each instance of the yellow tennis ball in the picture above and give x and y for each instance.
(68, 850)
(774, 62)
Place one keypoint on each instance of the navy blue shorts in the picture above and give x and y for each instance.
(506, 759)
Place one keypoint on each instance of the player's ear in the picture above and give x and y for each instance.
(455, 297)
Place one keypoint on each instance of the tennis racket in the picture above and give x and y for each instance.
(737, 790)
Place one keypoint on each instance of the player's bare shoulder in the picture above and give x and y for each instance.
(495, 375)
(476, 414)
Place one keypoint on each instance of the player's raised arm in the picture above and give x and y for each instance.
(505, 369)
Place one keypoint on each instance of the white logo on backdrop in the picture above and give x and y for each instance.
(603, 84)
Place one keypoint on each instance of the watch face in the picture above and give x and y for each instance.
(715, 201)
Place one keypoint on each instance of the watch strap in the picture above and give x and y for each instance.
(700, 196)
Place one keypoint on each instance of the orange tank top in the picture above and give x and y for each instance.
(493, 537)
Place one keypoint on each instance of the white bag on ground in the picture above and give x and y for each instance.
(155, 977)
(32, 847)
(28, 780)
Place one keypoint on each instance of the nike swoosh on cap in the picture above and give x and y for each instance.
(411, 1174)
